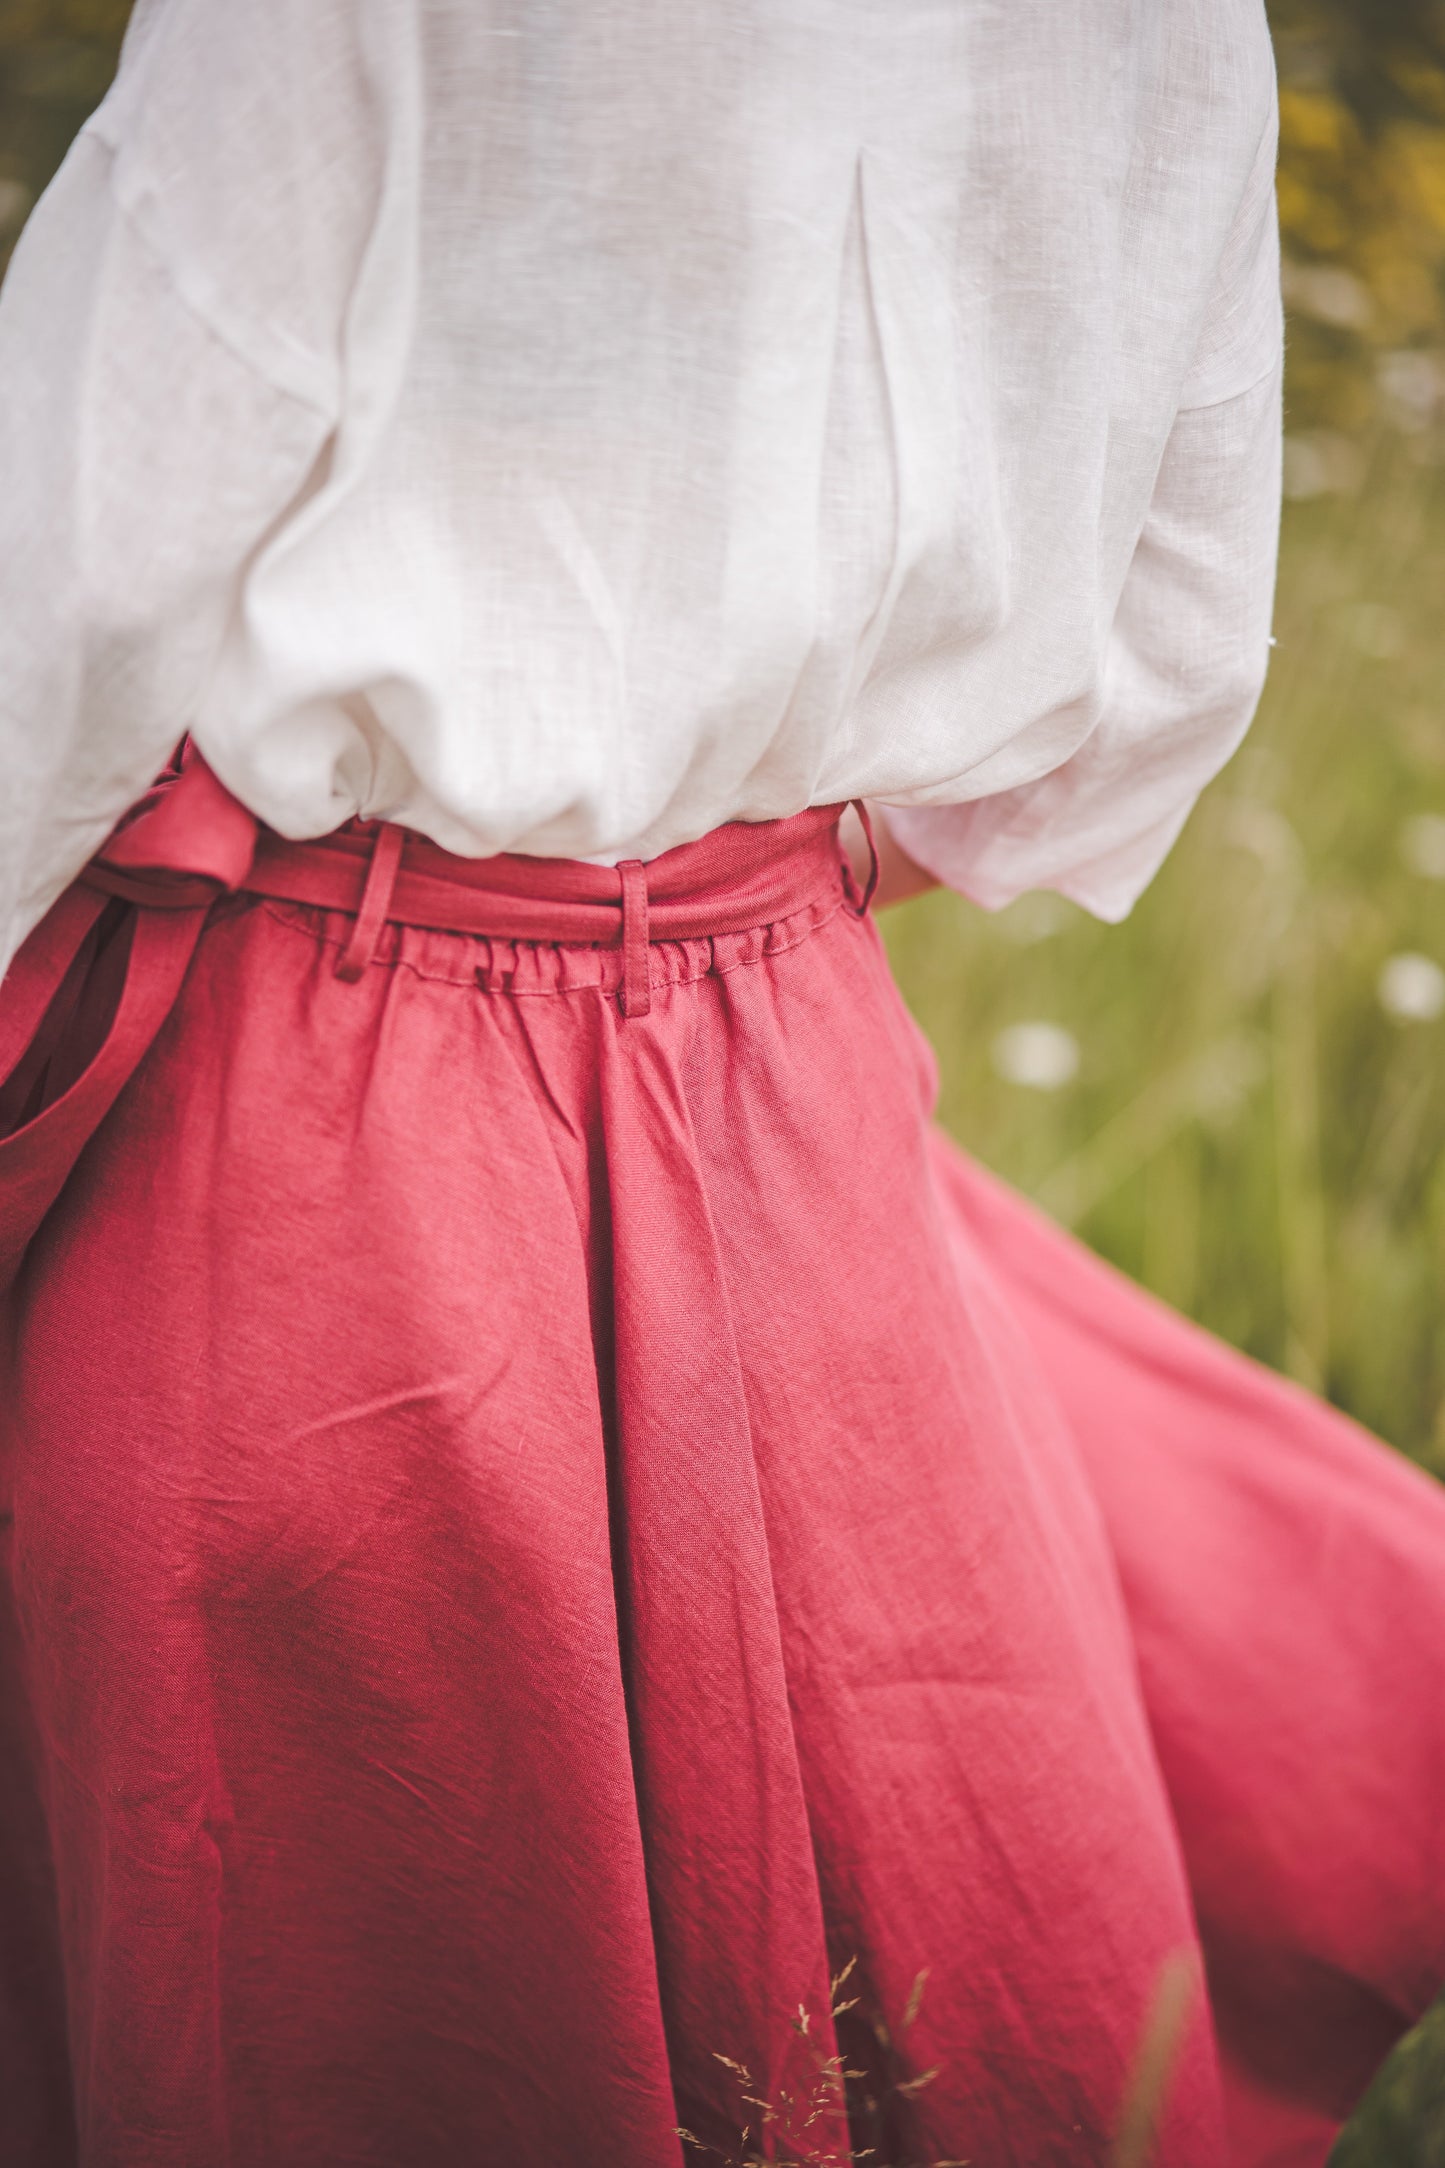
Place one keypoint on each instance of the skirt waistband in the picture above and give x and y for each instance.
(95, 981)
(190, 840)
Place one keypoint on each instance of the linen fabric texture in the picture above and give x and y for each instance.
(569, 430)
(534, 1536)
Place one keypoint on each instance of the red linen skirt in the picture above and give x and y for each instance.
(547, 1512)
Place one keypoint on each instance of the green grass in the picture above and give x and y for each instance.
(1401, 2121)
(1249, 1132)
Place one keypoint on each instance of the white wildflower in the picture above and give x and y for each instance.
(1041, 1056)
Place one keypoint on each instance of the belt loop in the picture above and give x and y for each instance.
(636, 958)
(375, 902)
(865, 895)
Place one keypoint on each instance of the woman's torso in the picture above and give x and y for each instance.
(731, 408)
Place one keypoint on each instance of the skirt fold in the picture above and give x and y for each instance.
(1284, 1577)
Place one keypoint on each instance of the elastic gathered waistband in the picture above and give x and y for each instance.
(191, 841)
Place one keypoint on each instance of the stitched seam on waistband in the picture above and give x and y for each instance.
(284, 914)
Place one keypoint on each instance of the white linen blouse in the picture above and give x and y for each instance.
(564, 425)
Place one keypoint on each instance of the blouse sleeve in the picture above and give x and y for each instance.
(168, 352)
(1189, 643)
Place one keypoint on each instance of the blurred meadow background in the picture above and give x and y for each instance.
(1237, 1096)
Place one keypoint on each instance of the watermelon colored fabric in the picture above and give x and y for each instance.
(537, 1533)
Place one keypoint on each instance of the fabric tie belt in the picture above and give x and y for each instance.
(85, 997)
(192, 840)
